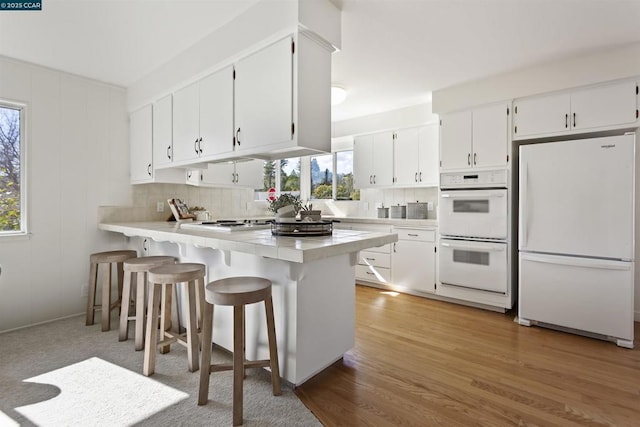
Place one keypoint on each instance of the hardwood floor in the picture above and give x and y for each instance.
(423, 362)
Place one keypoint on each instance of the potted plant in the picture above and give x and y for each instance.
(309, 214)
(285, 206)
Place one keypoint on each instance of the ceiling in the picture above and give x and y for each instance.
(394, 52)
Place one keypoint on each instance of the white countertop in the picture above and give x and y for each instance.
(257, 242)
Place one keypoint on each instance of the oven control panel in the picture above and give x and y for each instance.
(490, 179)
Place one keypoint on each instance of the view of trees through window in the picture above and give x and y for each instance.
(289, 176)
(10, 215)
(322, 176)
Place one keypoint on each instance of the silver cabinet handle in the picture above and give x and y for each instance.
(412, 235)
(149, 169)
(370, 179)
(394, 246)
(238, 136)
(574, 119)
(370, 259)
(195, 146)
(200, 145)
(416, 178)
(469, 159)
(566, 121)
(374, 179)
(169, 152)
(475, 155)
(420, 176)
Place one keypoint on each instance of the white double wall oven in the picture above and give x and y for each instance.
(474, 249)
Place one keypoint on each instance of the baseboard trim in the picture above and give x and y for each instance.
(42, 323)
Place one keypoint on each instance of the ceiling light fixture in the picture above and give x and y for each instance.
(338, 95)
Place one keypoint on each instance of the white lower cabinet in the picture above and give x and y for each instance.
(413, 259)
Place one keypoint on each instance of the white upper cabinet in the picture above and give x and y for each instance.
(163, 133)
(490, 136)
(373, 160)
(475, 139)
(264, 97)
(603, 107)
(283, 100)
(415, 156)
(148, 132)
(229, 174)
(455, 141)
(141, 143)
(203, 118)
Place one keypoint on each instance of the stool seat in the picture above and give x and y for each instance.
(161, 281)
(107, 259)
(135, 273)
(237, 292)
(176, 273)
(112, 256)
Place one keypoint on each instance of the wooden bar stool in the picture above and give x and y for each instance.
(162, 279)
(238, 292)
(106, 259)
(135, 272)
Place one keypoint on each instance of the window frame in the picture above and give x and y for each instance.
(24, 205)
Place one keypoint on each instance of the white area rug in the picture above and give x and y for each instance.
(99, 393)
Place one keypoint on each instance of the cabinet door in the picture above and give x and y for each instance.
(607, 105)
(428, 155)
(413, 265)
(406, 157)
(490, 136)
(264, 97)
(141, 144)
(162, 132)
(216, 113)
(363, 161)
(542, 115)
(383, 159)
(455, 141)
(219, 174)
(250, 173)
(186, 124)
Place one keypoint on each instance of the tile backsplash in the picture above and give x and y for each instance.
(238, 202)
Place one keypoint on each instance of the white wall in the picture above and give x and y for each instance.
(415, 115)
(78, 159)
(610, 64)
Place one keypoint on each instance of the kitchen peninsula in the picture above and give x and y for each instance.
(313, 285)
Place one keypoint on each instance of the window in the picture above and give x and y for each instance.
(12, 200)
(322, 177)
(287, 181)
(332, 176)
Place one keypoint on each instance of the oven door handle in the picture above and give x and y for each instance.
(476, 195)
(475, 247)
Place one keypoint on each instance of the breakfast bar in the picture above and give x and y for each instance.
(313, 285)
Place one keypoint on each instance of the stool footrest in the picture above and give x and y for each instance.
(247, 364)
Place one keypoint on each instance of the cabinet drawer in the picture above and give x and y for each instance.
(420, 234)
(373, 274)
(376, 259)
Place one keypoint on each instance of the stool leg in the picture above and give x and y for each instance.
(120, 270)
(165, 315)
(106, 298)
(238, 363)
(125, 302)
(205, 358)
(273, 347)
(151, 340)
(192, 328)
(91, 299)
(200, 302)
(141, 287)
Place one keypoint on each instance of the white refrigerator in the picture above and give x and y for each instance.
(576, 236)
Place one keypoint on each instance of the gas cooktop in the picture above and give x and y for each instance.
(225, 225)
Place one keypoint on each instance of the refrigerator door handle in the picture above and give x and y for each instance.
(578, 262)
(524, 204)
